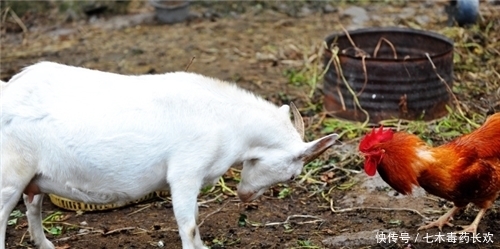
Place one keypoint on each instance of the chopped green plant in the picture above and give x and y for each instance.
(288, 228)
(306, 244)
(223, 242)
(14, 216)
(284, 193)
(395, 222)
(51, 223)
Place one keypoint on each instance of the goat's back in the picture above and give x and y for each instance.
(66, 90)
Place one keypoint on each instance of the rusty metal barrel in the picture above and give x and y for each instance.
(393, 72)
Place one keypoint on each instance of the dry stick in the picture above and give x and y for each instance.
(349, 37)
(457, 103)
(140, 209)
(336, 61)
(375, 208)
(328, 64)
(375, 52)
(189, 64)
(297, 216)
(365, 73)
(5, 13)
(342, 102)
(199, 204)
(321, 118)
(22, 238)
(363, 61)
(119, 230)
(66, 224)
(309, 63)
(18, 21)
(79, 234)
(308, 174)
(212, 213)
(211, 200)
(379, 43)
(348, 171)
(98, 231)
(21, 24)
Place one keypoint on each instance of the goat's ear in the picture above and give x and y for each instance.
(285, 109)
(298, 122)
(317, 147)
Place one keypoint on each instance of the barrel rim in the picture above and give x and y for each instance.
(329, 39)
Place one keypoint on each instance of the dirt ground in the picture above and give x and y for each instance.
(253, 48)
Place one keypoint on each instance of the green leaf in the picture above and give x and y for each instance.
(56, 230)
(15, 214)
(242, 221)
(284, 193)
(12, 222)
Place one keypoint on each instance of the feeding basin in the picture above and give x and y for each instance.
(388, 73)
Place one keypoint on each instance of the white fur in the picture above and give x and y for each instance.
(104, 138)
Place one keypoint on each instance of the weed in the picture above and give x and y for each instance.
(296, 78)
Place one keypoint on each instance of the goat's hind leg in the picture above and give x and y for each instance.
(34, 215)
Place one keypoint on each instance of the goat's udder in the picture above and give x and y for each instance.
(31, 190)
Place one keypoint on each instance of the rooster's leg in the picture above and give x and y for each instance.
(472, 228)
(443, 220)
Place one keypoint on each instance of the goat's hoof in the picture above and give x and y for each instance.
(46, 244)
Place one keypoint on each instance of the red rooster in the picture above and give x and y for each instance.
(465, 170)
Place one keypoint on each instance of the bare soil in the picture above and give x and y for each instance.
(253, 49)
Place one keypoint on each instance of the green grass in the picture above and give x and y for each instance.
(306, 243)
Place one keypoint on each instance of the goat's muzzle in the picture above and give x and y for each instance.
(246, 196)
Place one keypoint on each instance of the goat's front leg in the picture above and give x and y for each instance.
(9, 196)
(14, 176)
(184, 201)
(35, 227)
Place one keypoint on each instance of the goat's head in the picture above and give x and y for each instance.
(264, 167)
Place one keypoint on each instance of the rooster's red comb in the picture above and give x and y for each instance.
(375, 137)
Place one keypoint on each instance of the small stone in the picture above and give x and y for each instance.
(328, 8)
(358, 14)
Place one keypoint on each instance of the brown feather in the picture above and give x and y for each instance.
(466, 170)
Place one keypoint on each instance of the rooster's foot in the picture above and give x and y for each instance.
(443, 220)
(469, 229)
(440, 223)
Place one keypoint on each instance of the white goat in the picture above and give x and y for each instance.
(100, 137)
